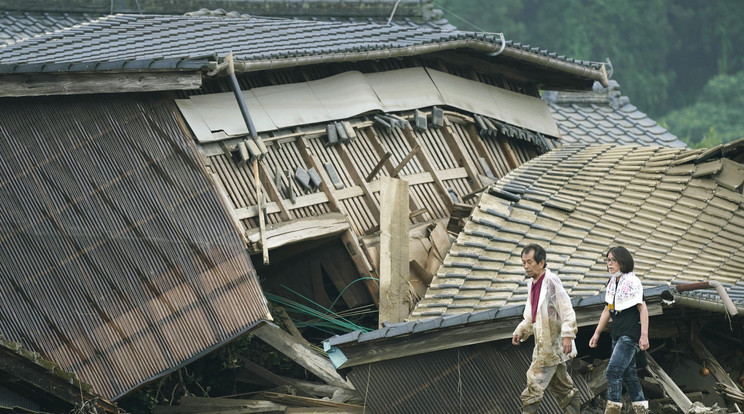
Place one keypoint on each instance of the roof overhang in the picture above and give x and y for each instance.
(76, 83)
(454, 331)
(576, 76)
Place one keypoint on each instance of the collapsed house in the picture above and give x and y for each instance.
(297, 183)
(679, 213)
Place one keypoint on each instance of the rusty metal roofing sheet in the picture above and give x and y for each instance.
(117, 259)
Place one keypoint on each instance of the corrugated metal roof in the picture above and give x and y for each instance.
(604, 116)
(681, 219)
(118, 259)
(484, 378)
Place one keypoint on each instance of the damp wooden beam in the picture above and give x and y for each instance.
(710, 362)
(47, 84)
(48, 379)
(299, 352)
(666, 382)
(310, 228)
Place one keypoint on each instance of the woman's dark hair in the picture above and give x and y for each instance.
(623, 257)
(539, 252)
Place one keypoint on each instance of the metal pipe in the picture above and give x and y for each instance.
(598, 74)
(239, 96)
(727, 302)
(503, 46)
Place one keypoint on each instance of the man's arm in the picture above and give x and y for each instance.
(603, 319)
(568, 317)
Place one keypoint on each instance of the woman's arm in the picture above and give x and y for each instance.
(643, 310)
(603, 319)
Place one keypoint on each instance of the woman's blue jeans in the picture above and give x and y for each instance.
(622, 370)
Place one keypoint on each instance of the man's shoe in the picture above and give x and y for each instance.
(531, 409)
(574, 407)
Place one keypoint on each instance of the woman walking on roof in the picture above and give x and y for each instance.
(624, 303)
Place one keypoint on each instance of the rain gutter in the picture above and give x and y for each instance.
(598, 74)
(727, 306)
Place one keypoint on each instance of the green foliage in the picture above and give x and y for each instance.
(715, 118)
(663, 51)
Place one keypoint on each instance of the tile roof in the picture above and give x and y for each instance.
(122, 40)
(677, 210)
(21, 23)
(16, 25)
(604, 116)
(454, 320)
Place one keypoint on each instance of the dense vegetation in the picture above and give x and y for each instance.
(680, 61)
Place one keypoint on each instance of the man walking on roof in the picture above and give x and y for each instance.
(549, 316)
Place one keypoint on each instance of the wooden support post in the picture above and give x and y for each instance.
(394, 269)
(261, 211)
(676, 394)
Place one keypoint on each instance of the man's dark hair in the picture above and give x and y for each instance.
(623, 257)
(539, 252)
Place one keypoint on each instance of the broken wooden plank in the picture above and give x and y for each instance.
(311, 228)
(405, 160)
(299, 352)
(206, 405)
(710, 362)
(349, 239)
(394, 270)
(372, 174)
(269, 376)
(305, 402)
(666, 382)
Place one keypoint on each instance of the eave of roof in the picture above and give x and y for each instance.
(605, 116)
(451, 331)
(122, 41)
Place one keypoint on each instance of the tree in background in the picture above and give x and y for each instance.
(663, 52)
(716, 116)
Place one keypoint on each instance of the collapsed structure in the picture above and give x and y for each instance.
(159, 176)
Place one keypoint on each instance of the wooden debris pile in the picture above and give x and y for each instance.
(690, 370)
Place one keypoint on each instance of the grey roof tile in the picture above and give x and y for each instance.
(597, 117)
(621, 197)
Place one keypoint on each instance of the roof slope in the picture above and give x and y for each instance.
(16, 25)
(26, 19)
(130, 37)
(678, 211)
(117, 257)
(604, 116)
(125, 41)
